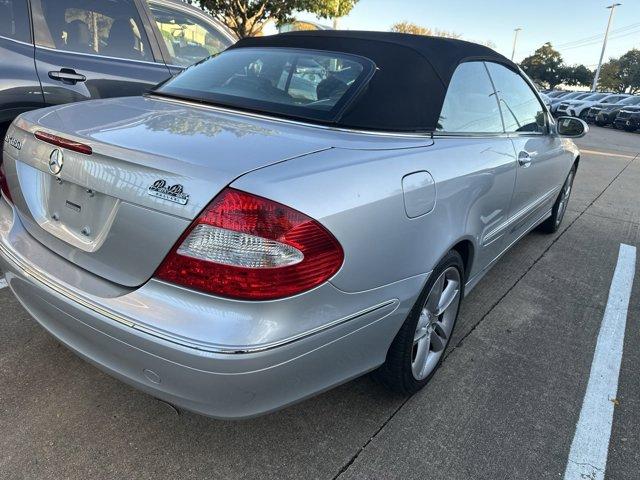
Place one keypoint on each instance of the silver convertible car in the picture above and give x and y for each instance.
(281, 218)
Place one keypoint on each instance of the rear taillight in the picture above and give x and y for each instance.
(4, 184)
(63, 142)
(247, 247)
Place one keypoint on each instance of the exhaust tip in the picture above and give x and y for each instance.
(171, 407)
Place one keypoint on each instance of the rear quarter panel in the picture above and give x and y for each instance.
(357, 195)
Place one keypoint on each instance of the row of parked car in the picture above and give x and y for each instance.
(619, 110)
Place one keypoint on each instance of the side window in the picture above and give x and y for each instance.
(614, 99)
(470, 105)
(188, 39)
(112, 28)
(14, 20)
(521, 109)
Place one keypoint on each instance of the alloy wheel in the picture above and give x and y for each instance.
(437, 318)
(564, 198)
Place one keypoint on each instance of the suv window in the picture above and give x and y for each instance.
(112, 28)
(521, 109)
(14, 20)
(188, 39)
(614, 98)
(470, 105)
(595, 96)
(630, 101)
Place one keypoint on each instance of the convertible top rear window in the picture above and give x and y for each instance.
(307, 84)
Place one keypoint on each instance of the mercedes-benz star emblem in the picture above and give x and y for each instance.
(56, 160)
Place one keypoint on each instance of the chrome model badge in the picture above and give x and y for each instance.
(14, 142)
(172, 193)
(56, 160)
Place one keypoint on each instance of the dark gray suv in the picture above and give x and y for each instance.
(59, 51)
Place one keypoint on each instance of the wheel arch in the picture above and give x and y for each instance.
(466, 248)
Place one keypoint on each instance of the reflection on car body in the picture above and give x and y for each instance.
(83, 49)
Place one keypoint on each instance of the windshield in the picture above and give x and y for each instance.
(291, 82)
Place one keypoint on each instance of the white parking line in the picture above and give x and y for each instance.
(588, 455)
(607, 154)
(3, 283)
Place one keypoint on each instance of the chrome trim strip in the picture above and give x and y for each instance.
(46, 281)
(472, 282)
(130, 60)
(469, 135)
(289, 340)
(527, 134)
(17, 41)
(523, 212)
(287, 120)
(487, 135)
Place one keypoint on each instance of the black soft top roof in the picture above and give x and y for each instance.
(408, 89)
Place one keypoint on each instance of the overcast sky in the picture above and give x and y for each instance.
(562, 22)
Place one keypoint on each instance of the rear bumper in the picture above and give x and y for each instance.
(209, 381)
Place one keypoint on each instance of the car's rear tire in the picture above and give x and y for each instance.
(417, 350)
(552, 224)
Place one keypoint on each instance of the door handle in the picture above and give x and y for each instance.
(524, 159)
(67, 75)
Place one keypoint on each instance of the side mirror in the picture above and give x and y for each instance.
(572, 127)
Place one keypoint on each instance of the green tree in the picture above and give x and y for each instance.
(544, 66)
(247, 18)
(630, 70)
(611, 78)
(333, 9)
(576, 75)
(415, 29)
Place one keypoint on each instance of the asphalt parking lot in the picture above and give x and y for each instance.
(505, 403)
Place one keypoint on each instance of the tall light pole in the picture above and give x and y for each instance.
(612, 7)
(515, 41)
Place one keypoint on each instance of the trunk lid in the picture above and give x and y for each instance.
(155, 165)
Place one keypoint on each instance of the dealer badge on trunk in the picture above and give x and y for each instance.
(56, 160)
(172, 193)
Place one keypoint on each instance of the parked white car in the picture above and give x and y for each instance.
(563, 108)
(569, 97)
